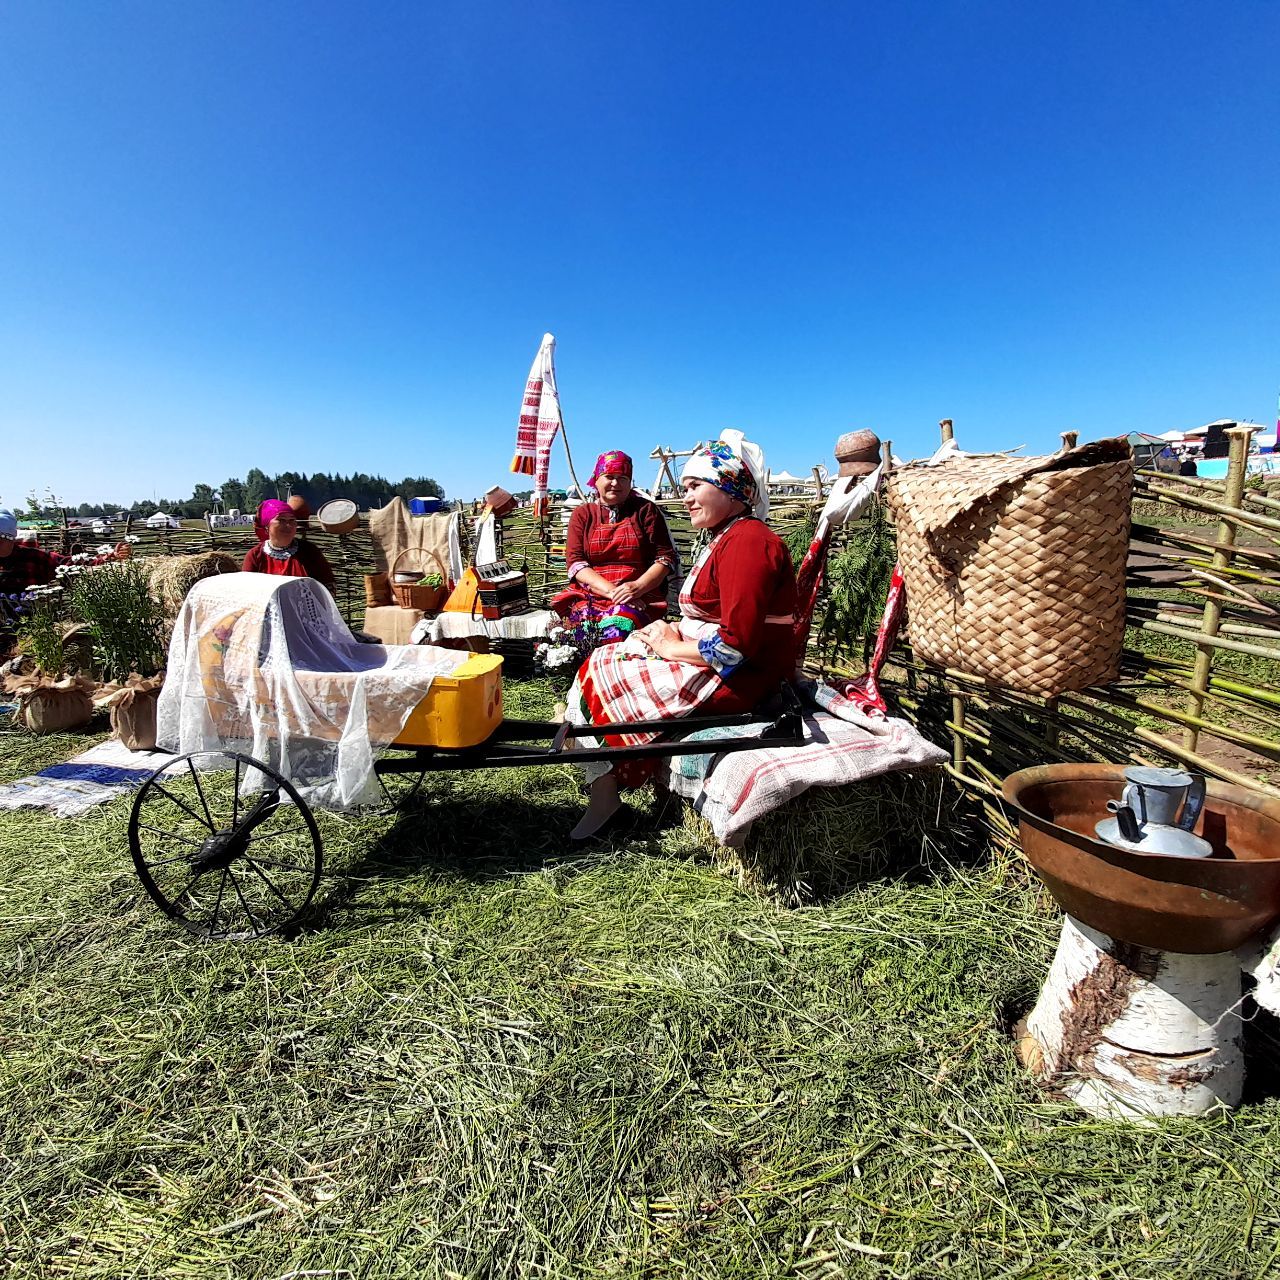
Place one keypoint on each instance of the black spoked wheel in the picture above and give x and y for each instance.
(399, 790)
(225, 846)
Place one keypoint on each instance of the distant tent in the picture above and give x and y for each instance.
(163, 521)
(1152, 453)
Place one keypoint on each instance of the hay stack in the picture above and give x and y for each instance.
(173, 576)
(831, 839)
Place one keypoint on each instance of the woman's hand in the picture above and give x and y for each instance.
(657, 636)
(623, 593)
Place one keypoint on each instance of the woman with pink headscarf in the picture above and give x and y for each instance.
(282, 552)
(619, 552)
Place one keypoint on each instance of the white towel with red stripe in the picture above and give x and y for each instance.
(540, 420)
(842, 745)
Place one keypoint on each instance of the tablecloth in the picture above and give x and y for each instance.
(533, 624)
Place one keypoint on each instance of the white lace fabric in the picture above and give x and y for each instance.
(266, 666)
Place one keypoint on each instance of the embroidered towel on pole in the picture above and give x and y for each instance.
(539, 422)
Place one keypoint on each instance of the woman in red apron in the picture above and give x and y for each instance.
(281, 552)
(733, 643)
(619, 552)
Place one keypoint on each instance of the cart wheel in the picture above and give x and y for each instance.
(399, 789)
(225, 846)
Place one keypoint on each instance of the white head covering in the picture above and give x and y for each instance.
(8, 523)
(734, 465)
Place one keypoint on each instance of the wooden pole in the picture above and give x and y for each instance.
(582, 493)
(1237, 469)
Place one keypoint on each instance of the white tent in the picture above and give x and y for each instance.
(162, 521)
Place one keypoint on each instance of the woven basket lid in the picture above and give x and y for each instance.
(932, 498)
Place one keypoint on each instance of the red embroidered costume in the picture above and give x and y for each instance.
(737, 604)
(297, 559)
(306, 561)
(619, 543)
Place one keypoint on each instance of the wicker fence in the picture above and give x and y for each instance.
(1200, 679)
(350, 554)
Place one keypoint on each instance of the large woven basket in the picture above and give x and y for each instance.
(1015, 567)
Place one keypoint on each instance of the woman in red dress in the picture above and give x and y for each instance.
(619, 552)
(281, 552)
(733, 644)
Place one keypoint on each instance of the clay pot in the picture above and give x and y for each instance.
(858, 452)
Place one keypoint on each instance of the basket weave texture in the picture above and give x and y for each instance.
(1015, 567)
(408, 595)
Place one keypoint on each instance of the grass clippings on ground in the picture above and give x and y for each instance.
(493, 1055)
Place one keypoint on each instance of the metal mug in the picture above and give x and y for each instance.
(1158, 797)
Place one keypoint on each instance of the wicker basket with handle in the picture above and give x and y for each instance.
(408, 594)
(1015, 567)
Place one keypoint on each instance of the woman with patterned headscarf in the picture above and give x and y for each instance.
(619, 552)
(732, 646)
(282, 552)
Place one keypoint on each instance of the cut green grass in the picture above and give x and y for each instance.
(494, 1055)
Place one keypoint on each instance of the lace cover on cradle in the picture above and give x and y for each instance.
(266, 666)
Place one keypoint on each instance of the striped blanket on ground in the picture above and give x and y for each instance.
(92, 778)
(842, 745)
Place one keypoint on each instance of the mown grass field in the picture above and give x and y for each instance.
(494, 1056)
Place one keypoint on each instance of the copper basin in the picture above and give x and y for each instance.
(1194, 905)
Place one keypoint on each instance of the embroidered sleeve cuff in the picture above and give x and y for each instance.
(576, 568)
(722, 658)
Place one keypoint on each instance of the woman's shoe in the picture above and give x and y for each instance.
(594, 823)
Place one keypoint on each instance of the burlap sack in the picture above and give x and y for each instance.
(1015, 567)
(48, 706)
(133, 713)
(392, 529)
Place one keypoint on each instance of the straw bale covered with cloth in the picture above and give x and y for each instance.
(843, 744)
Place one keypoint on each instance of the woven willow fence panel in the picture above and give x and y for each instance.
(1199, 681)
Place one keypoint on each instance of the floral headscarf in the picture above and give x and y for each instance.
(612, 463)
(735, 465)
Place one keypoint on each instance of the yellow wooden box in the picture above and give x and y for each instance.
(460, 710)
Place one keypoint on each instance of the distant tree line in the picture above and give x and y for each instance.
(245, 495)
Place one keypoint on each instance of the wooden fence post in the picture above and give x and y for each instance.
(1237, 470)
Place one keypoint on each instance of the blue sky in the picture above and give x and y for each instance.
(329, 237)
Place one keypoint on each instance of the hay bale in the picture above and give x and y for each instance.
(830, 839)
(173, 576)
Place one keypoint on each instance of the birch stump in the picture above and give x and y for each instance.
(1131, 1032)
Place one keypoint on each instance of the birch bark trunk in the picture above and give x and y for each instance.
(1260, 959)
(1130, 1032)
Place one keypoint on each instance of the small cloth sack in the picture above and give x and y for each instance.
(133, 713)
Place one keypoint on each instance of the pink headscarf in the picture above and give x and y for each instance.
(271, 508)
(267, 512)
(612, 463)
